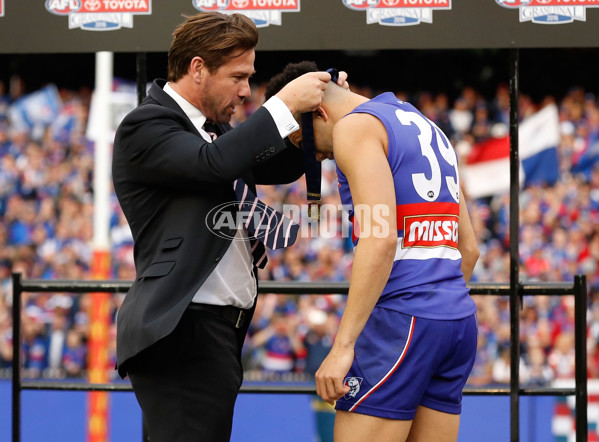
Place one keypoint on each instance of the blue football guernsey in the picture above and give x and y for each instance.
(426, 279)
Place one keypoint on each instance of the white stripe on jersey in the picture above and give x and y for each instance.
(423, 253)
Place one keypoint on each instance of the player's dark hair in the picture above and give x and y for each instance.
(291, 72)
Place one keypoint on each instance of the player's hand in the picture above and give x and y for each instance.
(305, 93)
(331, 374)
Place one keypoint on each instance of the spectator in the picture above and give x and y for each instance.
(5, 336)
(35, 348)
(280, 343)
(561, 358)
(501, 371)
(74, 355)
(539, 372)
(319, 338)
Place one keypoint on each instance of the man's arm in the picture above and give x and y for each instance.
(153, 145)
(285, 167)
(288, 165)
(467, 240)
(359, 148)
(152, 142)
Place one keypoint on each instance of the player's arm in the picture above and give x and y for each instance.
(359, 147)
(467, 240)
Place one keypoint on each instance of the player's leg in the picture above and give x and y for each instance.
(356, 427)
(438, 416)
(386, 380)
(434, 425)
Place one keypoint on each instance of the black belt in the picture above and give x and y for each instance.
(237, 316)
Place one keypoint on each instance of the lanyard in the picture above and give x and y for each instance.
(313, 168)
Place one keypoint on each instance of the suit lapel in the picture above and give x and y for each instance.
(157, 94)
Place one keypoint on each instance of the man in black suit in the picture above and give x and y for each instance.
(182, 324)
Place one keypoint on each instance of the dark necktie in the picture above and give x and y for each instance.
(265, 226)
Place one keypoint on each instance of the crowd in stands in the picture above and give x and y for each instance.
(46, 214)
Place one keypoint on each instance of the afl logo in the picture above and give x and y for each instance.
(210, 5)
(521, 3)
(63, 7)
(240, 4)
(225, 219)
(93, 5)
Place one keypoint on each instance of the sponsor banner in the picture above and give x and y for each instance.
(99, 15)
(429, 224)
(1, 8)
(262, 12)
(398, 12)
(550, 12)
(431, 231)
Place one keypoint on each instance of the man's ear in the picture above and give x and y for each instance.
(296, 138)
(321, 113)
(196, 66)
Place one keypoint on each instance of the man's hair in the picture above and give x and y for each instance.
(291, 72)
(211, 35)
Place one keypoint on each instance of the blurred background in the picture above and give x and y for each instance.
(46, 211)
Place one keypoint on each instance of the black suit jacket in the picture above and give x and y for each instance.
(167, 178)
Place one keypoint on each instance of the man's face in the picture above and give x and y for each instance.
(221, 91)
(323, 139)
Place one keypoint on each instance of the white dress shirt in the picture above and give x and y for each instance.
(232, 282)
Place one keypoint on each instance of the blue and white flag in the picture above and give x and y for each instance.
(538, 138)
(589, 158)
(35, 111)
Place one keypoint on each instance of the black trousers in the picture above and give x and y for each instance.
(186, 384)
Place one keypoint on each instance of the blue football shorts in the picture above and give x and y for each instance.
(401, 362)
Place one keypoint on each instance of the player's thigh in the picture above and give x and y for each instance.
(432, 425)
(354, 427)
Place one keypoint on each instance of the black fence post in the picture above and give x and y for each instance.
(515, 287)
(580, 352)
(16, 356)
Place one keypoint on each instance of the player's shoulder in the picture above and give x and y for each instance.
(361, 123)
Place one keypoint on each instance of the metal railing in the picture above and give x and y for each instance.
(577, 289)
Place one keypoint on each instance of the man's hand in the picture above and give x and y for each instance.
(342, 80)
(304, 94)
(332, 372)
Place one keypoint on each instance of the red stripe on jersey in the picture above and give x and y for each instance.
(404, 210)
(355, 233)
(435, 213)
